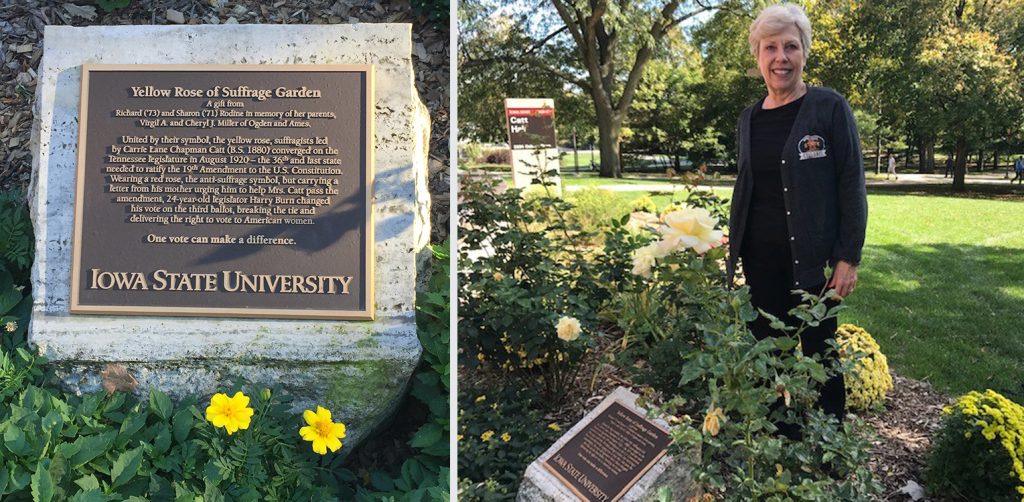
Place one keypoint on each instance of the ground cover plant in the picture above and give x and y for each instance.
(243, 444)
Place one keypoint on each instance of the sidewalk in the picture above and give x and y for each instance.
(726, 182)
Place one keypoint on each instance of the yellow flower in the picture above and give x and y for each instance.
(568, 328)
(712, 422)
(498, 276)
(231, 413)
(11, 326)
(553, 426)
(506, 437)
(458, 437)
(486, 436)
(690, 227)
(480, 398)
(644, 258)
(321, 431)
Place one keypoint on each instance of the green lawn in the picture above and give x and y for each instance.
(941, 287)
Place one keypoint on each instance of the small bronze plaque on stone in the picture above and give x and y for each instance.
(223, 190)
(609, 455)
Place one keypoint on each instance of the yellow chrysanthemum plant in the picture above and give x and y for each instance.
(869, 381)
(322, 431)
(980, 449)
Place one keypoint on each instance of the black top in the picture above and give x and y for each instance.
(822, 187)
(766, 223)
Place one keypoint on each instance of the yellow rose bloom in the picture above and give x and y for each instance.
(231, 413)
(480, 398)
(712, 422)
(506, 437)
(322, 431)
(11, 327)
(690, 227)
(568, 328)
(553, 426)
(486, 436)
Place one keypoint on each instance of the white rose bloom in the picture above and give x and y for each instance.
(690, 227)
(640, 220)
(568, 328)
(643, 258)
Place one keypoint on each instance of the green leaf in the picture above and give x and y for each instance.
(692, 370)
(426, 436)
(160, 404)
(91, 447)
(88, 482)
(42, 482)
(125, 467)
(131, 425)
(786, 343)
(5, 477)
(14, 440)
(91, 495)
(381, 481)
(182, 424)
(817, 372)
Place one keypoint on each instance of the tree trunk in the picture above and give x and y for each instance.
(981, 161)
(609, 130)
(960, 165)
(926, 163)
(878, 154)
(906, 160)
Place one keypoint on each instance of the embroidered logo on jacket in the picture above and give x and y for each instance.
(811, 146)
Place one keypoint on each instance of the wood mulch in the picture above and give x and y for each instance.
(21, 29)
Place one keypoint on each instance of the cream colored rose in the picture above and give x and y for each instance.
(640, 220)
(644, 258)
(690, 227)
(568, 328)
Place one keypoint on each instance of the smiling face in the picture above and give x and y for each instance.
(780, 58)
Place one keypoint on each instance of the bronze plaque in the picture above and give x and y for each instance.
(531, 128)
(225, 190)
(609, 455)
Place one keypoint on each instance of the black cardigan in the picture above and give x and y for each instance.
(823, 187)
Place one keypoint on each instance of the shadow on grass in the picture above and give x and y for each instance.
(974, 191)
(951, 314)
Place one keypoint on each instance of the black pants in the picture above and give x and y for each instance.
(770, 277)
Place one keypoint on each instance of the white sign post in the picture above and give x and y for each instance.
(531, 135)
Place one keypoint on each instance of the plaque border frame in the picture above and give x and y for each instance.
(367, 314)
(631, 482)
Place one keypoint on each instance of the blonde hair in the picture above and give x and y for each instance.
(775, 19)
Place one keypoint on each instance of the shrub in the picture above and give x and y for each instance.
(16, 237)
(594, 209)
(870, 381)
(500, 433)
(754, 386)
(496, 156)
(522, 268)
(470, 152)
(979, 452)
(645, 204)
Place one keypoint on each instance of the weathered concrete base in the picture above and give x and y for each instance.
(673, 472)
(357, 369)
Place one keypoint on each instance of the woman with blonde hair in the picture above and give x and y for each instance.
(799, 204)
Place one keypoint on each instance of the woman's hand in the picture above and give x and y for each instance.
(844, 279)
